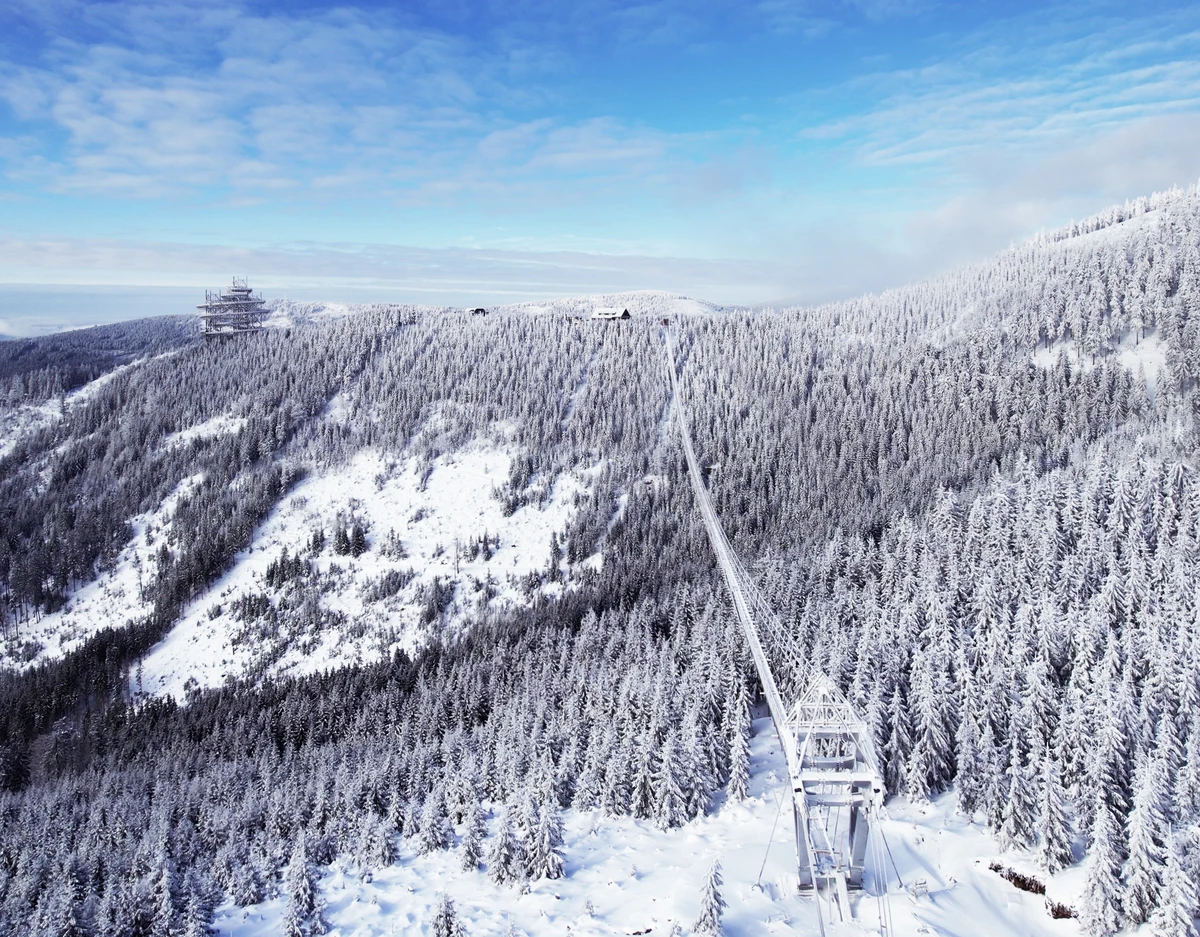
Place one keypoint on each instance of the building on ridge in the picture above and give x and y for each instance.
(232, 311)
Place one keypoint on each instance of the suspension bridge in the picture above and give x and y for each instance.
(836, 790)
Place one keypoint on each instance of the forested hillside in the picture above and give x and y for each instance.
(974, 500)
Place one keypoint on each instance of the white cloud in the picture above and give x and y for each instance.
(1018, 87)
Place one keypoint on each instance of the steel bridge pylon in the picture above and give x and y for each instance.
(837, 790)
(839, 783)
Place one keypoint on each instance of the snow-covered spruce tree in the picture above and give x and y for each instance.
(641, 795)
(376, 845)
(1178, 905)
(434, 832)
(166, 901)
(197, 917)
(471, 848)
(547, 858)
(739, 753)
(712, 904)
(525, 824)
(1054, 850)
(1102, 912)
(1017, 828)
(445, 921)
(1148, 833)
(504, 856)
(670, 783)
(929, 762)
(303, 914)
(968, 782)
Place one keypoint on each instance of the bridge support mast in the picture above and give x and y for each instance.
(831, 760)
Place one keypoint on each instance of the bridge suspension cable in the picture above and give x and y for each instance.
(830, 756)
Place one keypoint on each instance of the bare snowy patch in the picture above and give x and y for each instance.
(114, 599)
(17, 423)
(439, 546)
(217, 426)
(648, 303)
(1146, 355)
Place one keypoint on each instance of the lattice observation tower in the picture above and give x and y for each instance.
(232, 311)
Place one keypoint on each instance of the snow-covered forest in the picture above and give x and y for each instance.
(974, 500)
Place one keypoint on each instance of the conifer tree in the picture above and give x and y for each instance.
(712, 904)
(1016, 830)
(434, 832)
(1176, 912)
(504, 858)
(548, 844)
(739, 757)
(303, 914)
(1055, 851)
(671, 810)
(968, 784)
(471, 849)
(1147, 842)
(445, 920)
(1102, 912)
(166, 912)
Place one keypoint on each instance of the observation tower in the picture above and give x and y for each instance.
(232, 311)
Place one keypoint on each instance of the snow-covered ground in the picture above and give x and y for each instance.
(435, 510)
(639, 303)
(217, 426)
(285, 313)
(1113, 232)
(18, 422)
(112, 600)
(1147, 355)
(640, 879)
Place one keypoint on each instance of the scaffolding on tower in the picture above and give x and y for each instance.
(232, 311)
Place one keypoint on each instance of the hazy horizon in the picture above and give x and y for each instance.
(470, 153)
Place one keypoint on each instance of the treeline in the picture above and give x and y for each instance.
(35, 370)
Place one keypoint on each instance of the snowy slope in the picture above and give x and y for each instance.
(641, 880)
(649, 303)
(434, 510)
(286, 313)
(1145, 357)
(18, 422)
(112, 600)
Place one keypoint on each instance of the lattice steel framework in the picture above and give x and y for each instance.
(231, 311)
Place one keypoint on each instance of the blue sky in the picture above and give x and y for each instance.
(481, 152)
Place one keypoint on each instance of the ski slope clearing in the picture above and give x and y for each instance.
(112, 600)
(638, 879)
(423, 568)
